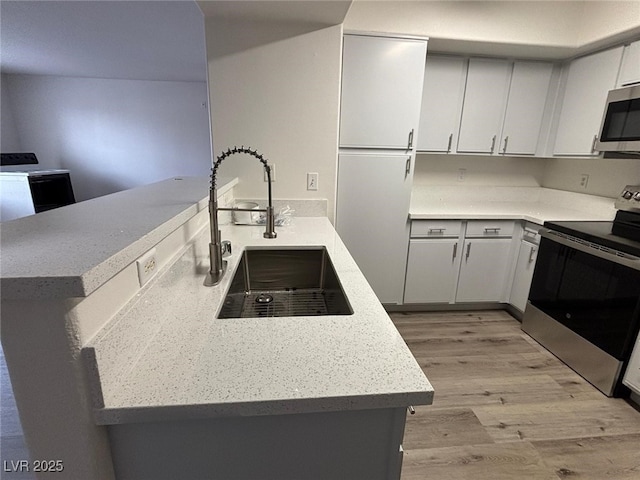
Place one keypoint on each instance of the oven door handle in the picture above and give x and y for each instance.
(606, 253)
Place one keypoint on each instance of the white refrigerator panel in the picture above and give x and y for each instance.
(374, 192)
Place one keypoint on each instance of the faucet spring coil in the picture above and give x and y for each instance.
(232, 151)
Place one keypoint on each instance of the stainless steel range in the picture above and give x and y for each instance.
(584, 303)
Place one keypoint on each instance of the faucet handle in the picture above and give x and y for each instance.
(226, 248)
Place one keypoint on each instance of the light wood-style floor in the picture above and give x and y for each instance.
(505, 408)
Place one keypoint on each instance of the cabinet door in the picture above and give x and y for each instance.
(432, 270)
(589, 79)
(444, 79)
(484, 269)
(484, 104)
(525, 107)
(372, 214)
(630, 69)
(381, 91)
(524, 273)
(632, 375)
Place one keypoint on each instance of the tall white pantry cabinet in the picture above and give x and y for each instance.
(382, 80)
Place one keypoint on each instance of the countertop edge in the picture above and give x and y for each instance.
(72, 286)
(145, 414)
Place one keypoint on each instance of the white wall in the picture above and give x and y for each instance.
(9, 140)
(277, 92)
(112, 134)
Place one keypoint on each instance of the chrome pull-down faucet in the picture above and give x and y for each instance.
(217, 265)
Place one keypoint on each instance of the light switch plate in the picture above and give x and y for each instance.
(147, 266)
(312, 181)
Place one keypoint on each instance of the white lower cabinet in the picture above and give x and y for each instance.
(470, 266)
(432, 270)
(373, 198)
(484, 270)
(525, 265)
(632, 375)
(354, 444)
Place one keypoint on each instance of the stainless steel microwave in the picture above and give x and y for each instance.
(620, 127)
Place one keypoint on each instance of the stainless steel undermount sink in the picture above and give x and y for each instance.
(285, 282)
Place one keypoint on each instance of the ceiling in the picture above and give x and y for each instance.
(138, 40)
(165, 40)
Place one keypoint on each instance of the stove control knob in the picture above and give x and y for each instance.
(636, 196)
(627, 194)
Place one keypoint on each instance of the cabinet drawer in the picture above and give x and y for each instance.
(490, 228)
(436, 228)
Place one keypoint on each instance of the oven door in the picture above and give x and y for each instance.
(585, 306)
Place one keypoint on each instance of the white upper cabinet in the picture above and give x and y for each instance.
(525, 108)
(484, 105)
(444, 81)
(382, 81)
(630, 69)
(589, 79)
(488, 106)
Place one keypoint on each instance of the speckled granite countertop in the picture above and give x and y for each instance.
(534, 204)
(73, 250)
(195, 365)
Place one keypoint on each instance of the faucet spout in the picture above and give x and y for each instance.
(218, 266)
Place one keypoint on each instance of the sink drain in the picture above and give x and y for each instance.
(264, 298)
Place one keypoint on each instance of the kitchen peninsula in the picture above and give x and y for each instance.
(116, 378)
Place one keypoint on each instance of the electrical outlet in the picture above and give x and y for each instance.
(312, 181)
(584, 179)
(462, 172)
(273, 173)
(147, 265)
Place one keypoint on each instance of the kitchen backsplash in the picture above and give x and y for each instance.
(301, 207)
(606, 176)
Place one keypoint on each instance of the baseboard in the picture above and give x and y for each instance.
(443, 307)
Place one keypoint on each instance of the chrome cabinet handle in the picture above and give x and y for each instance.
(449, 144)
(436, 230)
(410, 146)
(493, 143)
(531, 253)
(466, 258)
(504, 149)
(455, 251)
(407, 168)
(492, 229)
(593, 144)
